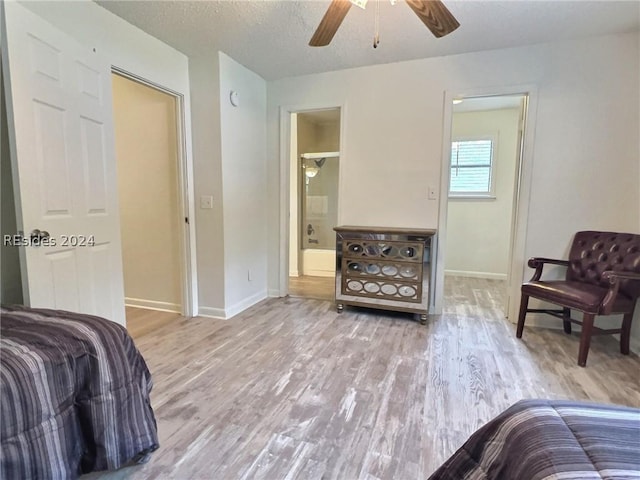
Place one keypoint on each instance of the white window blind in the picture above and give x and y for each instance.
(471, 167)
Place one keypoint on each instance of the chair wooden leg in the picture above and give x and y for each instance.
(585, 338)
(566, 319)
(524, 302)
(625, 334)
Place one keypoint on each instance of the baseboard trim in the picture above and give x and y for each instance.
(319, 273)
(488, 275)
(153, 305)
(273, 293)
(242, 305)
(211, 312)
(294, 273)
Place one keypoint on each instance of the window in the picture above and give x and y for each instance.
(471, 168)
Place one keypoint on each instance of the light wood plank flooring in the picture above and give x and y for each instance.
(290, 389)
(305, 286)
(142, 322)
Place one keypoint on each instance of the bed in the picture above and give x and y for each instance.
(551, 440)
(74, 396)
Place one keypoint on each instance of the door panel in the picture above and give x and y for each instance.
(53, 159)
(94, 163)
(63, 268)
(61, 132)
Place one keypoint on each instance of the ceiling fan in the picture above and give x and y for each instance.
(433, 14)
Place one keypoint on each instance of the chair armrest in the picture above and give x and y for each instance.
(614, 278)
(612, 275)
(538, 263)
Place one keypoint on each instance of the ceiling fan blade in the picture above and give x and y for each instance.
(435, 16)
(330, 23)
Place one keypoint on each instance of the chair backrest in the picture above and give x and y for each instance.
(595, 252)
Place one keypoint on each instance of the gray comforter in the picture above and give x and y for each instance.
(551, 440)
(74, 396)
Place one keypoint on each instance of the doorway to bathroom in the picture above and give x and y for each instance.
(314, 180)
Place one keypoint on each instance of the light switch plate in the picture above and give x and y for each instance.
(206, 201)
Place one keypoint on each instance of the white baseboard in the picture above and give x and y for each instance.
(294, 273)
(211, 312)
(232, 311)
(274, 293)
(320, 273)
(242, 305)
(153, 305)
(489, 275)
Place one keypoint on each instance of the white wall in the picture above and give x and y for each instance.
(585, 165)
(134, 51)
(479, 230)
(207, 156)
(151, 222)
(244, 173)
(230, 165)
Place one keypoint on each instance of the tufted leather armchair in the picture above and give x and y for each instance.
(603, 278)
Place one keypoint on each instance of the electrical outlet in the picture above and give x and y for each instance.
(433, 193)
(206, 201)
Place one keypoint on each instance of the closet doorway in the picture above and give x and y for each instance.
(152, 222)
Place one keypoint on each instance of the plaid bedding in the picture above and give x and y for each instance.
(74, 396)
(551, 440)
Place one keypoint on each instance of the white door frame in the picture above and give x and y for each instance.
(285, 192)
(522, 194)
(185, 196)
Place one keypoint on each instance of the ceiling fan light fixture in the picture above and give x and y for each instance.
(360, 3)
(436, 17)
(363, 3)
(311, 172)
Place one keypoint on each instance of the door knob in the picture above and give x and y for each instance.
(39, 235)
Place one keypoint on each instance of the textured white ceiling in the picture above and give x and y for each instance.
(271, 37)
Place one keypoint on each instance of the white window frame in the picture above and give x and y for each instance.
(490, 194)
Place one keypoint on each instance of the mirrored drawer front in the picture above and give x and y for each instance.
(390, 290)
(404, 251)
(382, 269)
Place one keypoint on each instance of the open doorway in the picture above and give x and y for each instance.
(313, 199)
(152, 223)
(482, 195)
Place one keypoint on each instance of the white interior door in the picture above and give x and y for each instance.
(62, 146)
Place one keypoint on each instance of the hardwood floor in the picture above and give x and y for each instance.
(142, 322)
(305, 286)
(289, 389)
